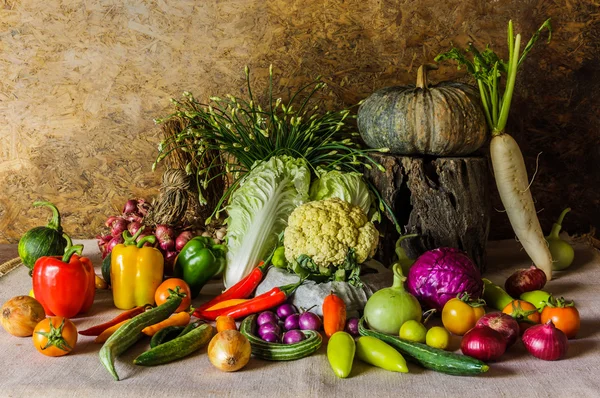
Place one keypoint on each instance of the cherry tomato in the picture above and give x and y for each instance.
(55, 336)
(162, 293)
(459, 315)
(525, 313)
(563, 315)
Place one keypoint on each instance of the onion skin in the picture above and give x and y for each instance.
(483, 343)
(131, 206)
(546, 342)
(505, 324)
(182, 239)
(525, 280)
(20, 315)
(166, 237)
(118, 226)
(229, 350)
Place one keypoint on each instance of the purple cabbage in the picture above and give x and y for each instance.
(440, 275)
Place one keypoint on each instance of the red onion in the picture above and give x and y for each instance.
(483, 343)
(133, 227)
(270, 337)
(265, 317)
(525, 280)
(292, 322)
(269, 327)
(130, 207)
(113, 242)
(309, 321)
(293, 336)
(170, 259)
(285, 310)
(110, 220)
(546, 342)
(143, 207)
(352, 326)
(182, 239)
(133, 218)
(166, 237)
(503, 323)
(118, 226)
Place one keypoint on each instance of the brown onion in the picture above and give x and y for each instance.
(525, 280)
(483, 343)
(20, 315)
(505, 324)
(229, 350)
(546, 342)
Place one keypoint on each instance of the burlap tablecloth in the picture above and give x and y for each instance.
(26, 373)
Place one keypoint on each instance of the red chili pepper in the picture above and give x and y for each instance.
(241, 290)
(98, 329)
(263, 302)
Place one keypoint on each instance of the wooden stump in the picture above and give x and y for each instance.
(443, 200)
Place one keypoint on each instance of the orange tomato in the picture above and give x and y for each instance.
(458, 316)
(55, 336)
(225, 323)
(162, 293)
(525, 313)
(565, 318)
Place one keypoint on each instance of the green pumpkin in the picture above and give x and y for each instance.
(445, 119)
(43, 241)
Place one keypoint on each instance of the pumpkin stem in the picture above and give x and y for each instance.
(422, 75)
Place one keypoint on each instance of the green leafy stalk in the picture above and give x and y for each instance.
(490, 71)
(244, 133)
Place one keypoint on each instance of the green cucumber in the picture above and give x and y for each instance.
(177, 348)
(429, 357)
(128, 334)
(106, 269)
(165, 334)
(278, 351)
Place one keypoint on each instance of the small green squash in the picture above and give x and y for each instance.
(445, 119)
(43, 241)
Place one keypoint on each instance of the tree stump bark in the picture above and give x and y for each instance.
(443, 200)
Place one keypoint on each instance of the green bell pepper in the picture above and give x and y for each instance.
(199, 261)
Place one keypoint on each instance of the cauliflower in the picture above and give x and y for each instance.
(329, 237)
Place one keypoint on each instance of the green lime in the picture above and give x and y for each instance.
(437, 337)
(413, 331)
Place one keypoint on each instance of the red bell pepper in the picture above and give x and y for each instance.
(64, 286)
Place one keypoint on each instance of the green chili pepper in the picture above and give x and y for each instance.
(340, 353)
(377, 353)
(494, 296)
(199, 260)
(279, 260)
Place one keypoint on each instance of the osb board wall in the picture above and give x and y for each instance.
(81, 81)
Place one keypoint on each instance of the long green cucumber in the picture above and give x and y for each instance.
(128, 334)
(177, 348)
(429, 357)
(278, 351)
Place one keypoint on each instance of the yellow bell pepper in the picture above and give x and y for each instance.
(135, 271)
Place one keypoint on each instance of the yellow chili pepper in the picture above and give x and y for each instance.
(179, 319)
(226, 303)
(135, 271)
(102, 337)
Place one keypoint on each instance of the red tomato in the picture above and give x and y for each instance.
(163, 293)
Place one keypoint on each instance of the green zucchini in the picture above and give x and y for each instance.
(429, 357)
(177, 348)
(165, 334)
(128, 334)
(278, 351)
(106, 269)
(43, 241)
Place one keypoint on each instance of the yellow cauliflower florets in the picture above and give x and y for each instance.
(326, 229)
